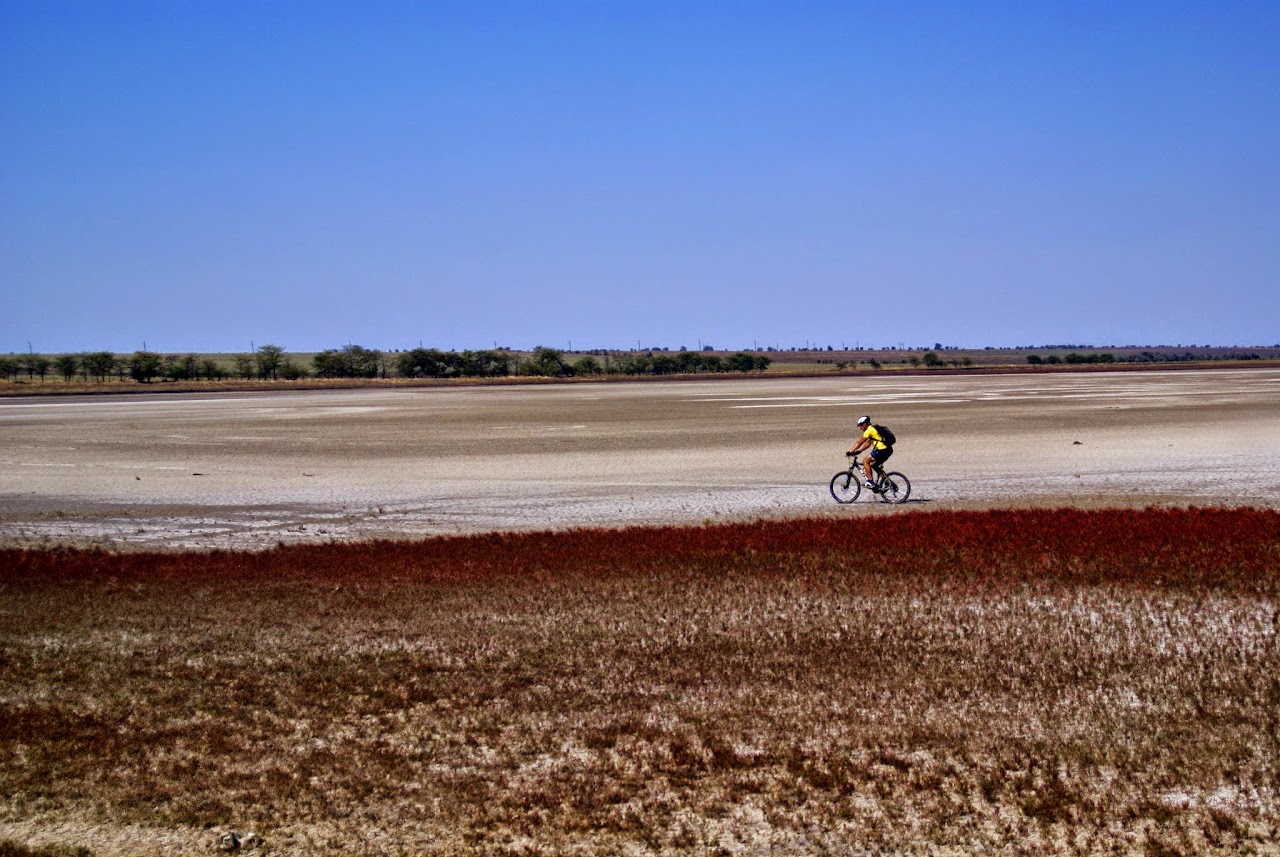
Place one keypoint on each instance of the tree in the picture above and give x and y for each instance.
(182, 368)
(423, 363)
(98, 365)
(741, 361)
(490, 363)
(664, 364)
(270, 360)
(32, 364)
(329, 364)
(9, 368)
(143, 366)
(689, 361)
(351, 361)
(290, 371)
(547, 362)
(630, 364)
(67, 366)
(38, 365)
(1035, 359)
(587, 366)
(244, 366)
(932, 360)
(377, 362)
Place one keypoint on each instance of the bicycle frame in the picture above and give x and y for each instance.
(890, 487)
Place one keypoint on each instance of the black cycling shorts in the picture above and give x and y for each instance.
(880, 456)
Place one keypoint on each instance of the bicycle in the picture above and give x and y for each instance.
(891, 487)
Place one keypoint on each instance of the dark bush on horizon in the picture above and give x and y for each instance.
(434, 363)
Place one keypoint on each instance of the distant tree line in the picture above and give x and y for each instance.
(270, 362)
(1188, 356)
(1074, 358)
(933, 361)
(434, 363)
(1146, 356)
(551, 363)
(31, 365)
(350, 361)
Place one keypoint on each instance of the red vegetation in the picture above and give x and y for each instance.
(1036, 681)
(1236, 550)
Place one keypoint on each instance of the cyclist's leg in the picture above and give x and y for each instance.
(876, 459)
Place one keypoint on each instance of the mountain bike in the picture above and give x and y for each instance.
(891, 487)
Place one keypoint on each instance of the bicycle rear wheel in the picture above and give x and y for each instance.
(845, 486)
(894, 488)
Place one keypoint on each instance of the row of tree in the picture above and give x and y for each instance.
(354, 361)
(1074, 358)
(1143, 357)
(269, 361)
(549, 362)
(1190, 356)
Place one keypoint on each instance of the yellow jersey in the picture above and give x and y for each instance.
(876, 442)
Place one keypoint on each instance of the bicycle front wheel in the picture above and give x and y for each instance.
(894, 488)
(845, 486)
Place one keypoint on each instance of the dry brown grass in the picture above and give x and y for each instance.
(1031, 682)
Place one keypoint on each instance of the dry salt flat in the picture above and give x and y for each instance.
(243, 470)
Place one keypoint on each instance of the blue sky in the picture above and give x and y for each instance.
(203, 175)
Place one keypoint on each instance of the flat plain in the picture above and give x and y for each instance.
(244, 470)
(437, 633)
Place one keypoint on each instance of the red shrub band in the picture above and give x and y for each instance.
(1197, 548)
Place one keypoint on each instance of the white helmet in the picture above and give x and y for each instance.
(862, 421)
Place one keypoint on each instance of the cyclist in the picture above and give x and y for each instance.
(880, 451)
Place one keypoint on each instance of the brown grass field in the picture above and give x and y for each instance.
(1035, 681)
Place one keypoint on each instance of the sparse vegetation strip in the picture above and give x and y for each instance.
(270, 366)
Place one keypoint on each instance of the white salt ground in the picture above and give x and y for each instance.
(255, 470)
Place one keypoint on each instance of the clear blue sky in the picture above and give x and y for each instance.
(206, 174)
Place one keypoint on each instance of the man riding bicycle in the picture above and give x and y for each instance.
(880, 451)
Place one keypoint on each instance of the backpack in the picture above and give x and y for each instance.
(886, 435)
